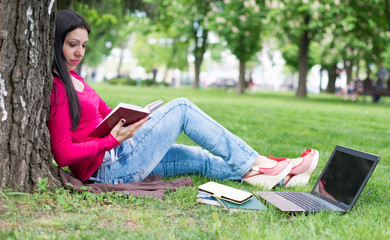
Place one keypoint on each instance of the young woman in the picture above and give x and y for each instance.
(131, 153)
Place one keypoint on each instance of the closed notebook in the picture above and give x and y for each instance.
(207, 199)
(225, 192)
(251, 204)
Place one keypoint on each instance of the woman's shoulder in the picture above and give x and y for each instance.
(57, 80)
(58, 85)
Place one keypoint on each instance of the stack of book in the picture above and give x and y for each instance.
(229, 198)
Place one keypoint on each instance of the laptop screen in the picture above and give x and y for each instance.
(344, 177)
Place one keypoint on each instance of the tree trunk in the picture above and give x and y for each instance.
(122, 48)
(303, 64)
(321, 73)
(26, 37)
(199, 50)
(331, 88)
(197, 73)
(387, 13)
(356, 63)
(241, 78)
(348, 68)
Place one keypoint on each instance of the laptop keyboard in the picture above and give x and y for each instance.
(303, 201)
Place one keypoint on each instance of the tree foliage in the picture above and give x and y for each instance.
(309, 32)
(157, 49)
(239, 23)
(111, 22)
(190, 19)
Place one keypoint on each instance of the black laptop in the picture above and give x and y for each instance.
(337, 188)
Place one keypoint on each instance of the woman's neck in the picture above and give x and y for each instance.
(77, 84)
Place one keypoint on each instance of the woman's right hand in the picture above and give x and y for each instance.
(121, 133)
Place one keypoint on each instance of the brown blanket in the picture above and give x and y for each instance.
(151, 186)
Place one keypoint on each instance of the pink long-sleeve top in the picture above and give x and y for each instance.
(74, 148)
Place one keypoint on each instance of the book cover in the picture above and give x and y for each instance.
(251, 204)
(131, 113)
(207, 199)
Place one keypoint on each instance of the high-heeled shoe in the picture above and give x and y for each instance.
(301, 173)
(269, 177)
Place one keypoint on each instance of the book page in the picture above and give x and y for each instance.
(154, 105)
(131, 106)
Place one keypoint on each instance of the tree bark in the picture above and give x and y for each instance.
(122, 47)
(348, 68)
(241, 78)
(26, 40)
(332, 75)
(197, 73)
(199, 50)
(303, 64)
(387, 12)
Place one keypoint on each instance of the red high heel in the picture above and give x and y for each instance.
(269, 177)
(301, 173)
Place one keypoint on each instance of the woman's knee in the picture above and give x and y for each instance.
(181, 101)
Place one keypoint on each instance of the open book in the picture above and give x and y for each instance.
(131, 113)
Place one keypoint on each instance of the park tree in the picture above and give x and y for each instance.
(333, 45)
(111, 22)
(160, 49)
(353, 34)
(239, 23)
(298, 23)
(106, 21)
(290, 53)
(200, 32)
(26, 31)
(190, 19)
(346, 32)
(26, 34)
(374, 26)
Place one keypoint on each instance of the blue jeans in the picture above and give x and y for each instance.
(220, 154)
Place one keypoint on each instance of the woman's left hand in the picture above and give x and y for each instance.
(121, 133)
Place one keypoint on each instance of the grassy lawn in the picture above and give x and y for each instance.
(276, 124)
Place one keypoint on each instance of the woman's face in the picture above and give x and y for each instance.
(74, 47)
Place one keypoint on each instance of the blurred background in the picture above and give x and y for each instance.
(292, 45)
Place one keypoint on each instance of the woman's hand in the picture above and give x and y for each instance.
(121, 133)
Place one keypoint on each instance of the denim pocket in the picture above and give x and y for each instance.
(122, 151)
(134, 177)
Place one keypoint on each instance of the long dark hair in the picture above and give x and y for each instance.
(66, 22)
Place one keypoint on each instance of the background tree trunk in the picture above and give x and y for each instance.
(332, 74)
(26, 40)
(303, 64)
(197, 74)
(348, 68)
(387, 11)
(303, 61)
(122, 47)
(241, 78)
(199, 51)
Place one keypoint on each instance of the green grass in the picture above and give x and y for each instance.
(273, 123)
